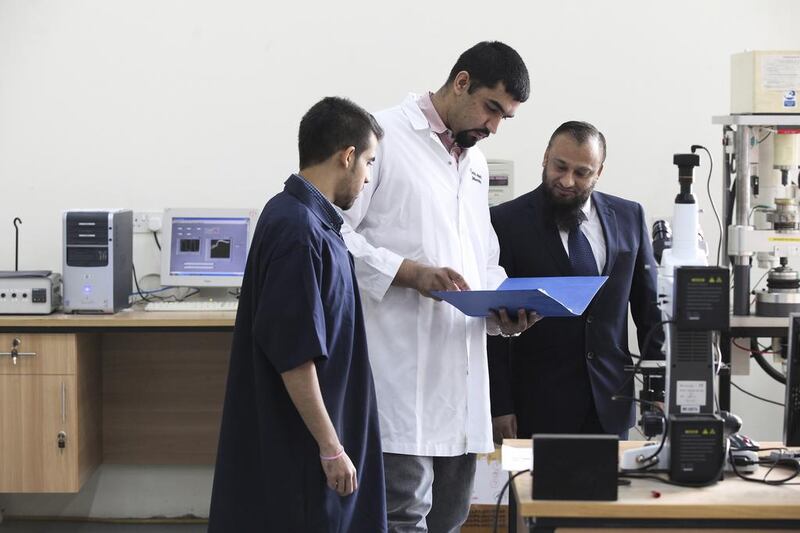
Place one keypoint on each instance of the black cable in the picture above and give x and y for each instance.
(136, 282)
(756, 397)
(139, 291)
(176, 298)
(645, 344)
(627, 475)
(772, 465)
(188, 295)
(170, 298)
(710, 198)
(792, 463)
(664, 434)
(500, 498)
(616, 396)
(764, 364)
(764, 138)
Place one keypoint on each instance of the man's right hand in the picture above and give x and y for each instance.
(430, 278)
(425, 278)
(340, 474)
(504, 427)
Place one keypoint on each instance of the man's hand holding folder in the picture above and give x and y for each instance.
(431, 281)
(499, 323)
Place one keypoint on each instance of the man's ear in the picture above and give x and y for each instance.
(546, 156)
(347, 157)
(461, 83)
(600, 170)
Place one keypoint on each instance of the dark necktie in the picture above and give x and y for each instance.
(580, 254)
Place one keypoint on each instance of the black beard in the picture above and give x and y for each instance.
(567, 213)
(464, 140)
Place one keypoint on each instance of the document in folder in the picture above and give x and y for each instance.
(562, 296)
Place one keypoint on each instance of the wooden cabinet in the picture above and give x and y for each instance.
(50, 411)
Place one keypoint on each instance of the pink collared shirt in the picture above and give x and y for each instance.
(438, 127)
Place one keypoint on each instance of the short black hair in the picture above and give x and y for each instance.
(333, 124)
(491, 62)
(581, 132)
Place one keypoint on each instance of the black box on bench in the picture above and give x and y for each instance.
(575, 467)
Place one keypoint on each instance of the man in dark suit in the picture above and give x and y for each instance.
(560, 375)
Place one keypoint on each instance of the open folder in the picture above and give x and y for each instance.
(562, 296)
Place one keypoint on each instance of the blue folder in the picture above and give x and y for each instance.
(557, 297)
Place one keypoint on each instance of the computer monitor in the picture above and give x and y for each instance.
(206, 247)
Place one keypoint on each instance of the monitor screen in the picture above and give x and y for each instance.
(206, 248)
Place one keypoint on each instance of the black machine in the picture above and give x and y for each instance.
(791, 419)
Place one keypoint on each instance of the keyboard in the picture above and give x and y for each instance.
(198, 305)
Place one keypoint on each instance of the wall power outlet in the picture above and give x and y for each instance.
(147, 221)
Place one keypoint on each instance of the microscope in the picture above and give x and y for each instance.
(694, 299)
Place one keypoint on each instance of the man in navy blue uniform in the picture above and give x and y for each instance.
(299, 448)
(560, 375)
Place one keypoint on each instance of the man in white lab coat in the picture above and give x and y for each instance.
(422, 224)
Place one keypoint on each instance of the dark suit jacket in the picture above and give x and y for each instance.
(551, 374)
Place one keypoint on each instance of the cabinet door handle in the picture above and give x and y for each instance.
(14, 353)
(63, 403)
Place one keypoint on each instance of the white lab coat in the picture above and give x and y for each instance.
(428, 359)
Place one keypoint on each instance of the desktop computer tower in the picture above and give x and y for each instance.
(98, 258)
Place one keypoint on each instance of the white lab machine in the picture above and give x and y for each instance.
(765, 82)
(760, 179)
(29, 292)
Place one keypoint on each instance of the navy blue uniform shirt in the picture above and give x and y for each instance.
(299, 302)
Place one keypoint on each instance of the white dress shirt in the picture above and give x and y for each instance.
(428, 359)
(593, 229)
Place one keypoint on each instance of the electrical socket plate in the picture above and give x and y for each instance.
(143, 220)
